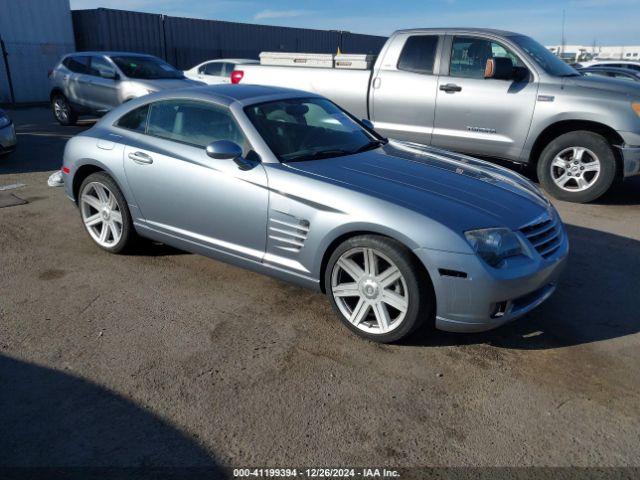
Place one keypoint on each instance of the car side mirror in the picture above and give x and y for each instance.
(110, 74)
(499, 68)
(224, 150)
(367, 123)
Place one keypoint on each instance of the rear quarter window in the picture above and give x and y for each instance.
(135, 120)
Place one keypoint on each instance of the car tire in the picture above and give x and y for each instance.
(411, 297)
(577, 167)
(62, 110)
(108, 209)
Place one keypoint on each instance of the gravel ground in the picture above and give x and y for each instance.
(166, 358)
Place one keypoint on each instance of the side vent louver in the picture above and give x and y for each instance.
(288, 234)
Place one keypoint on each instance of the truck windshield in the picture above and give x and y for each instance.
(146, 68)
(543, 57)
(297, 129)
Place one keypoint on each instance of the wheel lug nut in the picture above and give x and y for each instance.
(581, 168)
(575, 163)
(569, 174)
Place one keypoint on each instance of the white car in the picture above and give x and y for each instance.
(217, 71)
(628, 64)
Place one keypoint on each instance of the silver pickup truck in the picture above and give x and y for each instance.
(488, 93)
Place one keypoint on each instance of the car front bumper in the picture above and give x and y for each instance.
(631, 160)
(8, 139)
(469, 303)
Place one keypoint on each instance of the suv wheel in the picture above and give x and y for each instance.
(62, 110)
(577, 167)
(378, 289)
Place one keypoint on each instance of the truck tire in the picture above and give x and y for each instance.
(62, 110)
(577, 167)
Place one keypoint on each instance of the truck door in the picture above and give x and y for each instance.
(487, 117)
(403, 89)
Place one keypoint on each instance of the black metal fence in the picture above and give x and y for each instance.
(185, 42)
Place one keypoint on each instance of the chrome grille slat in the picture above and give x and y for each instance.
(545, 235)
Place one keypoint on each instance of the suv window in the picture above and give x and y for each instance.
(99, 64)
(469, 56)
(192, 122)
(77, 64)
(418, 54)
(213, 68)
(135, 120)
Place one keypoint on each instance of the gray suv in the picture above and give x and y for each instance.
(90, 83)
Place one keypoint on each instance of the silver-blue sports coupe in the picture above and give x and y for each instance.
(287, 183)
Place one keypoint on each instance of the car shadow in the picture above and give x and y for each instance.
(148, 248)
(596, 299)
(52, 419)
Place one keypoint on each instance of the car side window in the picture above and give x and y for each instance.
(135, 120)
(192, 122)
(99, 65)
(213, 68)
(469, 56)
(77, 64)
(418, 54)
(227, 69)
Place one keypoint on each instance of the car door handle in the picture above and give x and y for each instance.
(140, 157)
(450, 88)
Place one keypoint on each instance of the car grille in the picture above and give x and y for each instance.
(545, 235)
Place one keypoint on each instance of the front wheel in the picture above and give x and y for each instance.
(62, 110)
(577, 167)
(378, 289)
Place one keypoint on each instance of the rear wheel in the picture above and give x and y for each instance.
(105, 213)
(62, 110)
(577, 167)
(378, 289)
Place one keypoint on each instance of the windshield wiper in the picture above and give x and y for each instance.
(370, 146)
(319, 155)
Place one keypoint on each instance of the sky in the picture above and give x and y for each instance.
(606, 22)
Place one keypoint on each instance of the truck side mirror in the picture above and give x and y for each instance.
(499, 68)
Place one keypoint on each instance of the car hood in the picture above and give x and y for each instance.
(613, 85)
(167, 83)
(432, 181)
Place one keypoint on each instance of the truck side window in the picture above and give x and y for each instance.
(469, 56)
(418, 54)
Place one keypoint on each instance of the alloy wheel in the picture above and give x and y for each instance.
(61, 109)
(370, 290)
(101, 214)
(575, 169)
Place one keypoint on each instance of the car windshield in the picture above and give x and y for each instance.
(147, 68)
(543, 57)
(297, 129)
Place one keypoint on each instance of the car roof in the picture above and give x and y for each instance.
(110, 53)
(232, 60)
(227, 94)
(490, 31)
(604, 68)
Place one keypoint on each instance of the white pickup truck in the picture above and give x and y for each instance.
(488, 93)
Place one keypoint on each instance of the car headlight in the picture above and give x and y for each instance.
(494, 245)
(4, 119)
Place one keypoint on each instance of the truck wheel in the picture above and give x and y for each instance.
(62, 110)
(577, 167)
(378, 289)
